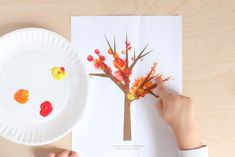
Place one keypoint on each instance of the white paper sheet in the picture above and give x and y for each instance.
(100, 132)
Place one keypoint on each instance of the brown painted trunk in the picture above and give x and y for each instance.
(127, 120)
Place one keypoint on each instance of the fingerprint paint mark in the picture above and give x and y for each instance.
(58, 73)
(46, 108)
(22, 96)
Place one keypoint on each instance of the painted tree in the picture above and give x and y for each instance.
(121, 77)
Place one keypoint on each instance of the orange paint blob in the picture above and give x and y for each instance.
(22, 96)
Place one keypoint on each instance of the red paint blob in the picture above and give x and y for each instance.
(62, 69)
(90, 58)
(97, 51)
(127, 43)
(102, 58)
(46, 108)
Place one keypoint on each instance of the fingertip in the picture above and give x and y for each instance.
(159, 82)
(159, 79)
(73, 154)
(51, 155)
(64, 153)
(160, 89)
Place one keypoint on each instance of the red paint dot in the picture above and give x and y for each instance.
(45, 108)
(62, 69)
(127, 43)
(102, 58)
(97, 51)
(90, 58)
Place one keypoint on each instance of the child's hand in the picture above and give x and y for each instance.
(64, 154)
(177, 111)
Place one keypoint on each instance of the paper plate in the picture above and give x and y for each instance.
(43, 86)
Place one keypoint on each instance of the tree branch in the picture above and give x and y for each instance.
(100, 75)
(152, 93)
(167, 79)
(110, 76)
(141, 55)
(118, 83)
(146, 54)
(152, 77)
(147, 77)
(134, 54)
(151, 87)
(127, 58)
(108, 43)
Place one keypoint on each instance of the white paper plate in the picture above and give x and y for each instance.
(27, 57)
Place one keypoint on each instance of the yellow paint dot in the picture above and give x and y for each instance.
(130, 96)
(58, 73)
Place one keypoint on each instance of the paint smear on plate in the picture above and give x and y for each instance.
(58, 73)
(46, 108)
(22, 96)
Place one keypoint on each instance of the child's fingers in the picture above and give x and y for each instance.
(160, 87)
(64, 154)
(73, 154)
(51, 155)
(159, 107)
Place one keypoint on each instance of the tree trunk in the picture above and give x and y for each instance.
(127, 120)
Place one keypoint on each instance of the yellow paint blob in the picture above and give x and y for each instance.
(58, 73)
(130, 96)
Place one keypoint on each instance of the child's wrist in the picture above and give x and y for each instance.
(185, 123)
(187, 137)
(184, 126)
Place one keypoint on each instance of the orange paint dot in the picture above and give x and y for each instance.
(21, 96)
(115, 55)
(110, 51)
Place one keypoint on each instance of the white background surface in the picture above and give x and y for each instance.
(101, 127)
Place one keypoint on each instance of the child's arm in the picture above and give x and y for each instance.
(177, 111)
